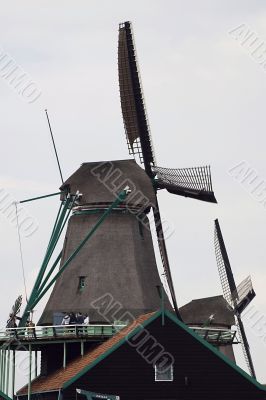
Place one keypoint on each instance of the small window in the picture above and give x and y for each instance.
(164, 373)
(81, 283)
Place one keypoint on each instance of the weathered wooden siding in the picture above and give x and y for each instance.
(127, 374)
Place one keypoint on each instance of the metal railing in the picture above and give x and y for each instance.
(60, 332)
(215, 335)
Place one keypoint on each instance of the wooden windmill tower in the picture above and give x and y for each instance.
(120, 259)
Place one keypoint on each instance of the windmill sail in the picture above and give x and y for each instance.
(245, 346)
(164, 256)
(13, 316)
(132, 99)
(188, 182)
(237, 297)
(223, 264)
(137, 128)
(245, 293)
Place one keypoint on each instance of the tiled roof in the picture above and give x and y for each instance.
(56, 380)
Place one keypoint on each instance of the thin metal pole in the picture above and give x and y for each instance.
(1, 368)
(57, 159)
(82, 348)
(29, 383)
(13, 373)
(40, 197)
(4, 372)
(64, 357)
(8, 368)
(36, 364)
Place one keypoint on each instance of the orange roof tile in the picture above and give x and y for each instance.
(56, 380)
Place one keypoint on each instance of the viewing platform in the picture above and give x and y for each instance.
(216, 336)
(72, 333)
(59, 333)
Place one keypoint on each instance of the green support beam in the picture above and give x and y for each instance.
(50, 272)
(121, 197)
(40, 197)
(61, 220)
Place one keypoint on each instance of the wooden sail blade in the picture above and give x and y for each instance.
(245, 346)
(223, 264)
(17, 306)
(164, 256)
(132, 99)
(245, 294)
(189, 182)
(236, 296)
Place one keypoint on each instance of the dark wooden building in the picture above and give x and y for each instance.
(156, 357)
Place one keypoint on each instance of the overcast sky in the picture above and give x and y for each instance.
(205, 95)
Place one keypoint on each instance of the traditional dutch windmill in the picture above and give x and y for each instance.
(237, 297)
(118, 262)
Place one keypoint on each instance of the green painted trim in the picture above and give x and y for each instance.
(88, 212)
(182, 326)
(110, 351)
(4, 396)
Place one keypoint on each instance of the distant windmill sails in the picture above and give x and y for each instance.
(189, 182)
(238, 297)
(13, 316)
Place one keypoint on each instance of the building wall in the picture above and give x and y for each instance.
(198, 373)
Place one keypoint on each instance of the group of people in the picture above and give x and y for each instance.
(75, 319)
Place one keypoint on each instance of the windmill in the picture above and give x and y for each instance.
(189, 182)
(13, 316)
(238, 297)
(119, 260)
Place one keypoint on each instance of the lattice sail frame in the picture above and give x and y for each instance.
(222, 270)
(134, 112)
(17, 306)
(233, 299)
(190, 178)
(189, 182)
(244, 349)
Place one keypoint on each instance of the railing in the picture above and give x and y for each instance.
(215, 335)
(60, 332)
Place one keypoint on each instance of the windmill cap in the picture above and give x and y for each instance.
(101, 182)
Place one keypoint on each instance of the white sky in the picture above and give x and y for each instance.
(205, 97)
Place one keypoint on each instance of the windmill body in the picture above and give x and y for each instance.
(118, 263)
(213, 320)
